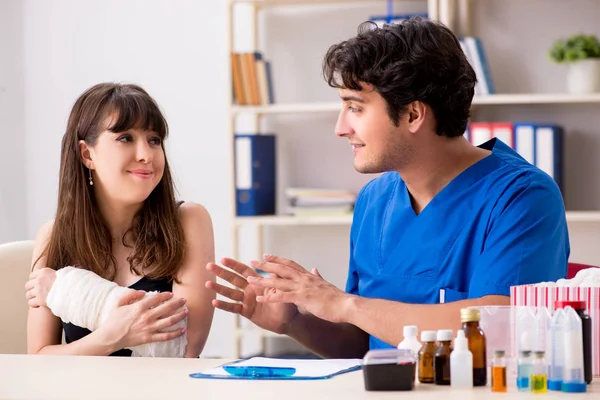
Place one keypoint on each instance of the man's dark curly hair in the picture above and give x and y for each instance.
(414, 60)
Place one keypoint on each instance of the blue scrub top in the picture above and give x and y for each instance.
(500, 223)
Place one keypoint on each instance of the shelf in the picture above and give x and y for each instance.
(539, 98)
(272, 3)
(291, 108)
(583, 216)
(494, 99)
(290, 220)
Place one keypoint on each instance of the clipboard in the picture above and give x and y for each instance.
(263, 368)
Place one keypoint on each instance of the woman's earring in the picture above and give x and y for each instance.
(91, 181)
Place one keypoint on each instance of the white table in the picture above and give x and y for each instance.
(60, 377)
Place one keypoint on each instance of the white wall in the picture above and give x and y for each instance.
(13, 158)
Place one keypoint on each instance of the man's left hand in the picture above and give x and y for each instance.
(294, 284)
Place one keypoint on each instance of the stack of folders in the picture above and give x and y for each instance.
(539, 144)
(319, 202)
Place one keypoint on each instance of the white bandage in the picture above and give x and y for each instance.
(84, 299)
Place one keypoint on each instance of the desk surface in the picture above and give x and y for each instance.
(60, 377)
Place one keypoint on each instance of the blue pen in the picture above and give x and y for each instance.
(259, 372)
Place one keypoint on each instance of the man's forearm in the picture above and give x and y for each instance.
(385, 319)
(328, 339)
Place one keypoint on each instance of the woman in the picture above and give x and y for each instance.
(117, 216)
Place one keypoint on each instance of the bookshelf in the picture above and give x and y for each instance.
(438, 9)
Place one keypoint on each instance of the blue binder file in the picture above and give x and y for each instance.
(549, 151)
(255, 174)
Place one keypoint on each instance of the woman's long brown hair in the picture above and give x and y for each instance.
(79, 236)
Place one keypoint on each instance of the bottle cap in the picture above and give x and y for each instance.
(499, 353)
(525, 353)
(574, 387)
(577, 305)
(539, 354)
(554, 385)
(445, 335)
(461, 343)
(410, 330)
(469, 315)
(428, 336)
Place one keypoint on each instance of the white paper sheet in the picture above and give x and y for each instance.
(304, 368)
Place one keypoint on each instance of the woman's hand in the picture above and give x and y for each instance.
(38, 286)
(137, 320)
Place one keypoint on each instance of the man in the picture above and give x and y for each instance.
(449, 225)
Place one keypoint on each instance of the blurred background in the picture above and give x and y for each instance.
(226, 72)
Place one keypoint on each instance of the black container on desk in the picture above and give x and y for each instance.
(389, 369)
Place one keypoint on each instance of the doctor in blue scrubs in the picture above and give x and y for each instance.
(447, 225)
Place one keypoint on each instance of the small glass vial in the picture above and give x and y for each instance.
(477, 344)
(537, 378)
(524, 371)
(499, 372)
(426, 356)
(441, 361)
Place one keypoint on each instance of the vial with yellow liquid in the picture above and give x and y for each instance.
(537, 379)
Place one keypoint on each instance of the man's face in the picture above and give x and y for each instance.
(378, 144)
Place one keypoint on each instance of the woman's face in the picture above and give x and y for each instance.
(126, 166)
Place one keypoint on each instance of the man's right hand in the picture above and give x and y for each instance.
(274, 317)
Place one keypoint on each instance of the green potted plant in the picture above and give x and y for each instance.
(581, 53)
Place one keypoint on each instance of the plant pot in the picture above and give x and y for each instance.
(584, 76)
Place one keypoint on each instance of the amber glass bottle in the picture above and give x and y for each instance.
(426, 356)
(441, 361)
(476, 338)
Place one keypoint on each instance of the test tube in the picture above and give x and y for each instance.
(556, 361)
(573, 380)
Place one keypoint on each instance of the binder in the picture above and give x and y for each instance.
(525, 141)
(255, 174)
(548, 151)
(503, 131)
(480, 132)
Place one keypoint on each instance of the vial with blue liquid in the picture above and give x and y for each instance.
(524, 371)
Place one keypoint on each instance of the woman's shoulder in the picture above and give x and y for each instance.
(41, 241)
(45, 230)
(194, 216)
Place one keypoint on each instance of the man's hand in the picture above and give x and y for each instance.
(38, 286)
(291, 283)
(273, 317)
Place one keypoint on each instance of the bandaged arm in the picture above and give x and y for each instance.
(84, 299)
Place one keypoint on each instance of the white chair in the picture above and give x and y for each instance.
(15, 266)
